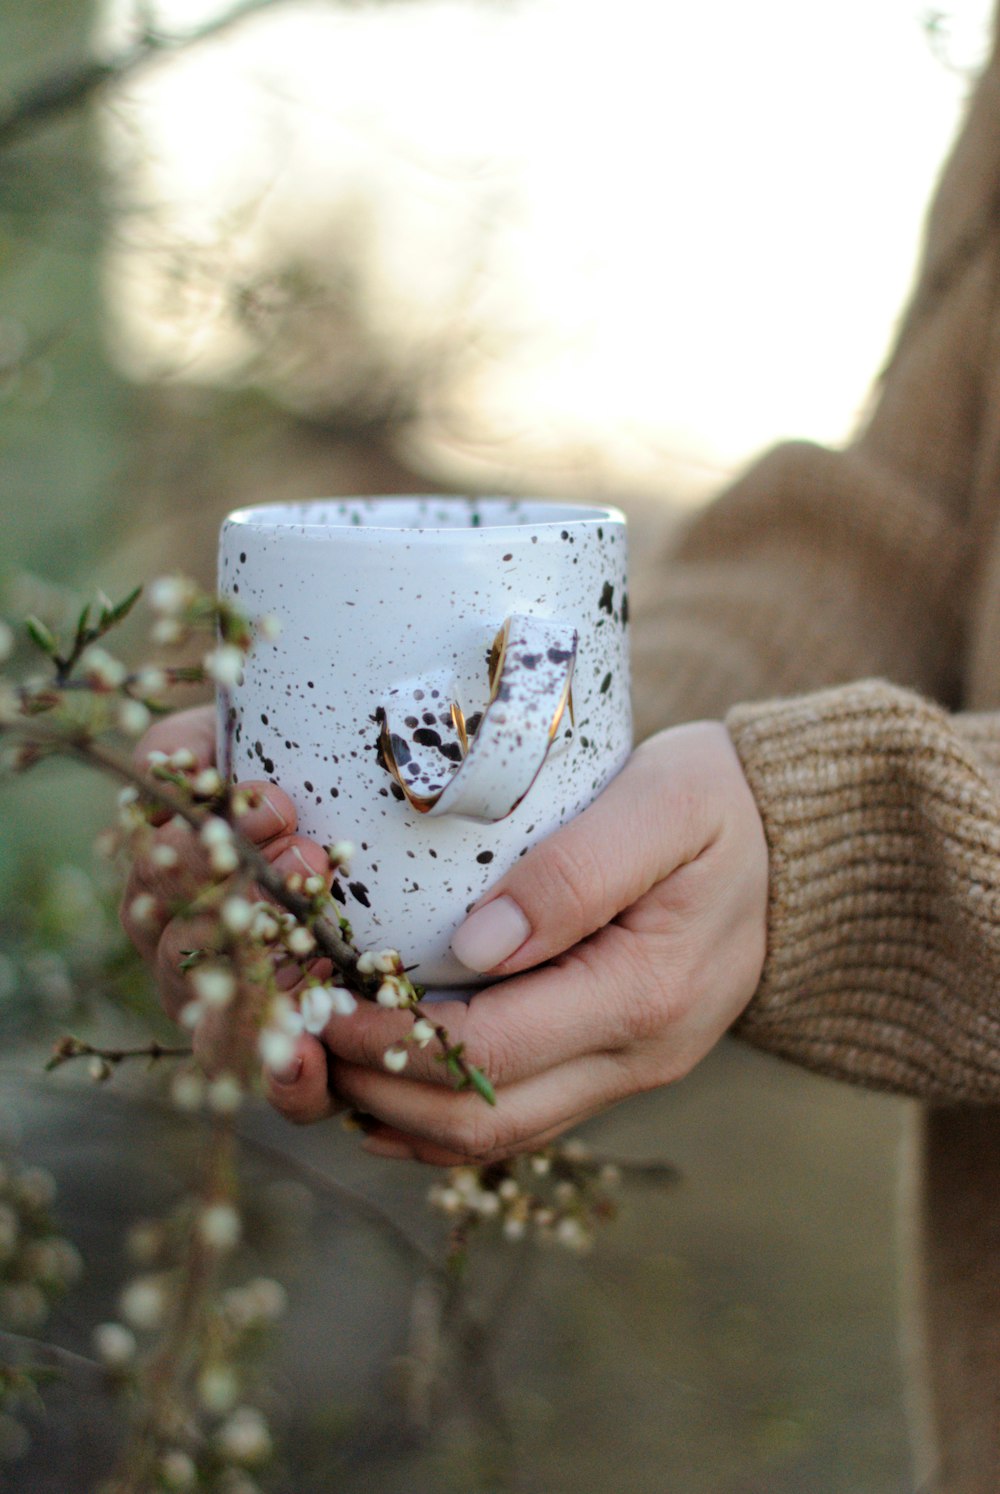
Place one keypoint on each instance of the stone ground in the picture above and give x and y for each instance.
(734, 1335)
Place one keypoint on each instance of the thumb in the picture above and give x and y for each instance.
(651, 819)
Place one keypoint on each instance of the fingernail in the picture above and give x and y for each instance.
(490, 934)
(260, 803)
(392, 1151)
(288, 1074)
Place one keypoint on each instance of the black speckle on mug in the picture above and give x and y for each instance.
(484, 857)
(360, 891)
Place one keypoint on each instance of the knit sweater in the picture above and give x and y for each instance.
(841, 611)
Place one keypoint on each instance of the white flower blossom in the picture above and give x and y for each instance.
(167, 631)
(390, 993)
(215, 985)
(164, 857)
(219, 1226)
(267, 1297)
(395, 1059)
(6, 642)
(244, 1438)
(150, 681)
(277, 1049)
(178, 1470)
(366, 963)
(183, 759)
(236, 915)
(114, 1345)
(269, 627)
(218, 1388)
(206, 783)
(571, 1233)
(215, 832)
(171, 594)
(423, 1032)
(344, 1003)
(300, 941)
(225, 1094)
(99, 1069)
(514, 1228)
(188, 1088)
(314, 885)
(341, 853)
(316, 1006)
(387, 961)
(224, 664)
(191, 1015)
(143, 1303)
(265, 926)
(142, 910)
(102, 670)
(133, 717)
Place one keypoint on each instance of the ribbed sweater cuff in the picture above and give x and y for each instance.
(883, 828)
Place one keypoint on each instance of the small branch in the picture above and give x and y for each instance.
(79, 744)
(68, 1048)
(85, 1374)
(364, 1208)
(49, 98)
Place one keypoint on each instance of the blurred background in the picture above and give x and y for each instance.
(272, 250)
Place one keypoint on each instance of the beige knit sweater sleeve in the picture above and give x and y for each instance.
(880, 797)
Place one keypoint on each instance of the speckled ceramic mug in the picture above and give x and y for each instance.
(449, 685)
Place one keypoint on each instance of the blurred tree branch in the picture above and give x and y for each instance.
(50, 97)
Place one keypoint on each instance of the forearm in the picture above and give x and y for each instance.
(882, 815)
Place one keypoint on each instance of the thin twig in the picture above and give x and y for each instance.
(364, 1208)
(77, 742)
(83, 1373)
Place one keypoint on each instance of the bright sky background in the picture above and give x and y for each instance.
(676, 232)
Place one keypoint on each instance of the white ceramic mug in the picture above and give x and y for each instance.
(450, 683)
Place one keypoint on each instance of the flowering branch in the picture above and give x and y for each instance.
(105, 1059)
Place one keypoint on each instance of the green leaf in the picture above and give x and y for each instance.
(482, 1085)
(42, 635)
(81, 623)
(122, 610)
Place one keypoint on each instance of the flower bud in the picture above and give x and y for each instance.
(395, 1059)
(219, 1226)
(214, 985)
(114, 1345)
(224, 664)
(143, 1302)
(244, 1438)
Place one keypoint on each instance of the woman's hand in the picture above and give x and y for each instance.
(161, 936)
(635, 936)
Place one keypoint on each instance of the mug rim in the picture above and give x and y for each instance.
(277, 517)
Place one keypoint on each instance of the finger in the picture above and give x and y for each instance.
(647, 822)
(193, 729)
(461, 1124)
(397, 1146)
(268, 812)
(589, 1000)
(180, 937)
(301, 1092)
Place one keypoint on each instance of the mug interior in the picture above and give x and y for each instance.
(421, 511)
